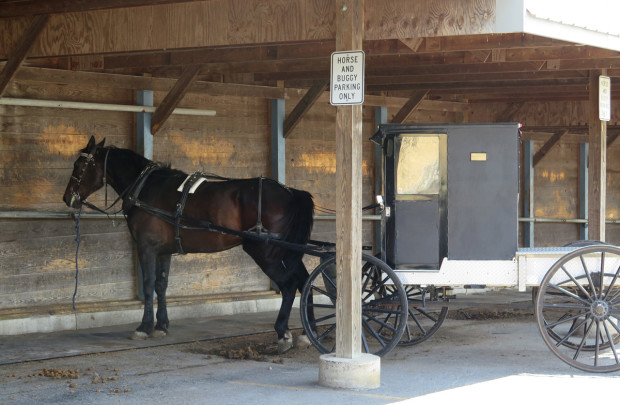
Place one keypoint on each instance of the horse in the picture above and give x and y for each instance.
(165, 218)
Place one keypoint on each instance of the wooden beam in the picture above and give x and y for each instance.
(410, 106)
(597, 162)
(21, 51)
(551, 142)
(245, 58)
(18, 8)
(173, 97)
(349, 34)
(573, 129)
(28, 74)
(304, 105)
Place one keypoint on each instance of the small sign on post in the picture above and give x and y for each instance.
(347, 78)
(604, 98)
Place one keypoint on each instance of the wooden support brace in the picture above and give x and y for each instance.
(410, 106)
(509, 113)
(18, 56)
(412, 43)
(611, 138)
(304, 105)
(173, 97)
(548, 146)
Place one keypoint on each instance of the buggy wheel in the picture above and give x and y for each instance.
(578, 308)
(384, 306)
(422, 322)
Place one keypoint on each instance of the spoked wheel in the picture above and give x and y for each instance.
(578, 308)
(422, 321)
(384, 306)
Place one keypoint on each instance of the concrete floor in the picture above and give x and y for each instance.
(483, 361)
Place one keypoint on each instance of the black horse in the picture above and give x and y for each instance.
(165, 221)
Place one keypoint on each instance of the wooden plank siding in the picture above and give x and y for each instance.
(217, 23)
(37, 150)
(38, 147)
(556, 177)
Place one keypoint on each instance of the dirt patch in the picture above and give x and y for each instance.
(258, 347)
(264, 347)
(484, 314)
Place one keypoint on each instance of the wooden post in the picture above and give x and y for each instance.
(348, 367)
(380, 118)
(583, 188)
(528, 192)
(597, 162)
(350, 23)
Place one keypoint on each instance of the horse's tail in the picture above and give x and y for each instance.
(299, 228)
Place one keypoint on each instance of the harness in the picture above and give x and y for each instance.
(131, 199)
(179, 221)
(196, 179)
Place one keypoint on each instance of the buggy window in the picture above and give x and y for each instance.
(417, 165)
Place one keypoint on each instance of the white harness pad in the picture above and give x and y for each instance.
(194, 186)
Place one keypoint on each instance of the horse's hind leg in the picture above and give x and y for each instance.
(302, 277)
(269, 259)
(147, 263)
(285, 338)
(161, 283)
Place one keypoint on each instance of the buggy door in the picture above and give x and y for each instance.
(417, 174)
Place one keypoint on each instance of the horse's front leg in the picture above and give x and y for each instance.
(285, 338)
(147, 264)
(161, 283)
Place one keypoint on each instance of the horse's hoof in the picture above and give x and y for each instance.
(158, 333)
(284, 345)
(139, 335)
(303, 341)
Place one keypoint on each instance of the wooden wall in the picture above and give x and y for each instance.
(38, 147)
(234, 143)
(37, 150)
(556, 176)
(226, 22)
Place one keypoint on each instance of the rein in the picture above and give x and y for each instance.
(76, 216)
(78, 240)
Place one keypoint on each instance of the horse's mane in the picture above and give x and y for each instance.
(166, 167)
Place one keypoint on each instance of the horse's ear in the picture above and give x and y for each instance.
(100, 145)
(91, 143)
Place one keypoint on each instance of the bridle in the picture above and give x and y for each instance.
(75, 195)
(90, 159)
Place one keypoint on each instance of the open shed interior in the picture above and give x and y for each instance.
(431, 61)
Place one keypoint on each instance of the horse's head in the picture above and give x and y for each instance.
(88, 174)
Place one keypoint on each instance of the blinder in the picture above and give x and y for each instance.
(90, 159)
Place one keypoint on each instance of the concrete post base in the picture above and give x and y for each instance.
(362, 372)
